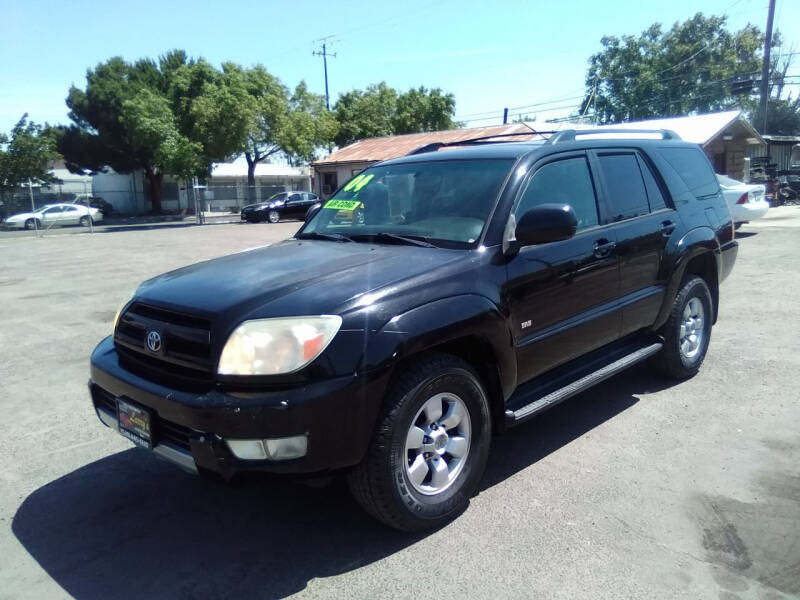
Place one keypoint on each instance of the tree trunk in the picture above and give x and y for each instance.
(252, 161)
(154, 182)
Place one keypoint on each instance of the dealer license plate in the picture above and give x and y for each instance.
(134, 423)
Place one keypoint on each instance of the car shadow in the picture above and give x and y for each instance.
(129, 526)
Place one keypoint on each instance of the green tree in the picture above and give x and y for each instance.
(175, 116)
(380, 110)
(25, 155)
(420, 110)
(295, 125)
(688, 68)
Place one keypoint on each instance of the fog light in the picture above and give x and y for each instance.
(287, 448)
(273, 449)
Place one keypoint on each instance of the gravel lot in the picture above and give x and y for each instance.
(638, 488)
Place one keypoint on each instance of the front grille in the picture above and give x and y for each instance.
(185, 340)
(163, 431)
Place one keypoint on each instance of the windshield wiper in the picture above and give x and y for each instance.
(316, 235)
(410, 240)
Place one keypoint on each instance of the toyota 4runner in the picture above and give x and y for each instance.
(434, 300)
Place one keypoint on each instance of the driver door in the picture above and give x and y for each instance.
(52, 215)
(563, 296)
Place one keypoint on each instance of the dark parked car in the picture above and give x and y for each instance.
(106, 208)
(480, 287)
(280, 206)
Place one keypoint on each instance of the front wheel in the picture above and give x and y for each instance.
(687, 332)
(273, 216)
(430, 446)
(33, 224)
(85, 221)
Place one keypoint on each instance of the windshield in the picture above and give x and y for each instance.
(443, 202)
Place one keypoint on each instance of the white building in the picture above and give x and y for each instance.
(226, 188)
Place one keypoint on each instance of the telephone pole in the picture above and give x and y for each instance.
(325, 54)
(765, 65)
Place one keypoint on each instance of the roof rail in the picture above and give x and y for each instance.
(486, 139)
(569, 135)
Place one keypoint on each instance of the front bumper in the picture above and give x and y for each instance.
(190, 428)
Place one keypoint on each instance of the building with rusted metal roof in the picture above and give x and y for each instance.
(726, 137)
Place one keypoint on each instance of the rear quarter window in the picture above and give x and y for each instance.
(693, 168)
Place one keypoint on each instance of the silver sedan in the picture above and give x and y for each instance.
(54, 214)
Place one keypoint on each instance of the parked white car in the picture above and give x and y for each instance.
(745, 200)
(54, 214)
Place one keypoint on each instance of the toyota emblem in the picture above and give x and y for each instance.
(153, 340)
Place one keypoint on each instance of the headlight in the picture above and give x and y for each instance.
(119, 312)
(277, 346)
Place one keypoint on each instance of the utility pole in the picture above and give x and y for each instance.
(325, 54)
(505, 116)
(765, 64)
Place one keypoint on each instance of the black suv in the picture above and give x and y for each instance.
(279, 206)
(434, 300)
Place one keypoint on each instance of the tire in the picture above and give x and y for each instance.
(273, 216)
(85, 221)
(681, 357)
(382, 483)
(33, 224)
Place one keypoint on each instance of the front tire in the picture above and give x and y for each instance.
(273, 216)
(430, 446)
(85, 221)
(33, 224)
(687, 332)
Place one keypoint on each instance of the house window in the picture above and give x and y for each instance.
(329, 183)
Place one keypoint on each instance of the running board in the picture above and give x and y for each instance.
(550, 399)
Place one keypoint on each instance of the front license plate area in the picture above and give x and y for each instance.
(135, 423)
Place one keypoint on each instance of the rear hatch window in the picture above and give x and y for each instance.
(693, 168)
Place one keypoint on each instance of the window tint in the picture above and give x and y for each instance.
(692, 166)
(626, 196)
(654, 194)
(295, 198)
(562, 182)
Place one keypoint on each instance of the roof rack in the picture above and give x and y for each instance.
(487, 139)
(569, 135)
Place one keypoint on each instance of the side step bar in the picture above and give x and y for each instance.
(515, 417)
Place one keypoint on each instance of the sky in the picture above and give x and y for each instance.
(491, 55)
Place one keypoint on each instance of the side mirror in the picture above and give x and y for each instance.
(312, 210)
(546, 223)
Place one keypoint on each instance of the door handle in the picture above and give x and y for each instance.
(667, 227)
(603, 248)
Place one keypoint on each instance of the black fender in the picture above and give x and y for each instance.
(441, 321)
(697, 241)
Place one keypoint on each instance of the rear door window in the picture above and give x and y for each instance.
(692, 166)
(626, 196)
(566, 181)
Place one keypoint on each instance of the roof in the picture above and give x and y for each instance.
(238, 168)
(699, 129)
(383, 148)
(501, 151)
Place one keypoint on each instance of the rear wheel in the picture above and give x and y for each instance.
(273, 216)
(430, 446)
(687, 332)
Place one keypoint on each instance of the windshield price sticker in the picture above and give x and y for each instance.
(358, 182)
(342, 204)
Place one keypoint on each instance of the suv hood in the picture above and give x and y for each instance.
(294, 277)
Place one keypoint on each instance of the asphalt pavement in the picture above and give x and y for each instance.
(638, 488)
